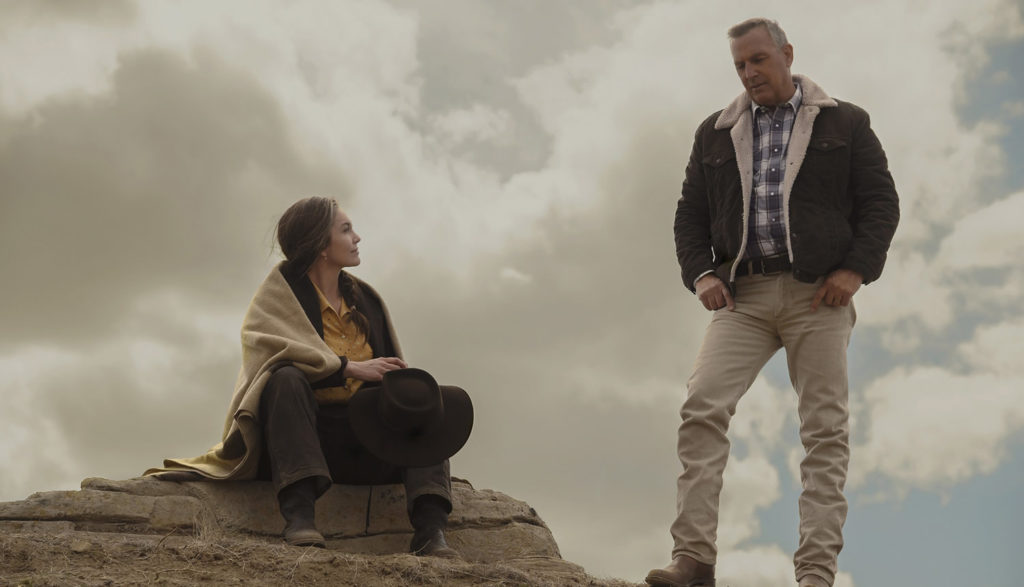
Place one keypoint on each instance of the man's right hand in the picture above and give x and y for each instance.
(374, 369)
(713, 293)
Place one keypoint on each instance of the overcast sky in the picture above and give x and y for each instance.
(513, 169)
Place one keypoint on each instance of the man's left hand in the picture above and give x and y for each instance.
(838, 288)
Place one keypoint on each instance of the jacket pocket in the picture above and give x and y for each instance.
(824, 174)
(723, 180)
(717, 160)
(826, 144)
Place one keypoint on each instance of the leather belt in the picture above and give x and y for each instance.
(764, 265)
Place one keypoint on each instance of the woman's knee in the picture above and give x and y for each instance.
(286, 380)
(287, 374)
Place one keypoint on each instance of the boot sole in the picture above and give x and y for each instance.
(306, 538)
(655, 580)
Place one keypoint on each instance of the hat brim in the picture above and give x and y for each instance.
(431, 448)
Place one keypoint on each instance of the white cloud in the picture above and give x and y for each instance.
(478, 123)
(33, 448)
(749, 484)
(910, 288)
(142, 386)
(762, 415)
(929, 428)
(763, 566)
(513, 275)
(996, 348)
(348, 80)
(987, 238)
(41, 62)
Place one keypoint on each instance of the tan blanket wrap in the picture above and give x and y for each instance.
(275, 330)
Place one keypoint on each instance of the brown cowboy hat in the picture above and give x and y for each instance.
(411, 421)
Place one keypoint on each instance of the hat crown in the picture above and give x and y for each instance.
(410, 420)
(410, 402)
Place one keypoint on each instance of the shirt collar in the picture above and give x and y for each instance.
(798, 97)
(325, 305)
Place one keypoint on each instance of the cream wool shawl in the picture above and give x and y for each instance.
(275, 330)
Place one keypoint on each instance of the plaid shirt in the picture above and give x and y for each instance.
(767, 227)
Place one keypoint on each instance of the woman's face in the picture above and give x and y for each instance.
(343, 250)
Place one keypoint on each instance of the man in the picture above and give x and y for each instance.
(787, 208)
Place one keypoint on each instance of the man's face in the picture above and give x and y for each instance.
(763, 67)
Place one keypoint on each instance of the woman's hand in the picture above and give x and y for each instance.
(374, 369)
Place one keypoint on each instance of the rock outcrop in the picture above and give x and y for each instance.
(494, 532)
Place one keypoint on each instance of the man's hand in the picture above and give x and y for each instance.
(713, 293)
(838, 288)
(374, 369)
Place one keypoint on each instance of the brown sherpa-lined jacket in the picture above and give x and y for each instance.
(839, 200)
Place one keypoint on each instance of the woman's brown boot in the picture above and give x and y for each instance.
(298, 507)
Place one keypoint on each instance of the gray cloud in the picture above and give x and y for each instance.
(141, 217)
(164, 183)
(44, 12)
(469, 51)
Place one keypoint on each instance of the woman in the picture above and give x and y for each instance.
(324, 393)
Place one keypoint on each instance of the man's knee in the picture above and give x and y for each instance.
(706, 404)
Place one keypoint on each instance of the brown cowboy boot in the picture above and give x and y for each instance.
(429, 518)
(683, 571)
(298, 507)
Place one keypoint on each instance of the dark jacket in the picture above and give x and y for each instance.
(840, 202)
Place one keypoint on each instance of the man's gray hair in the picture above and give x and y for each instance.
(778, 35)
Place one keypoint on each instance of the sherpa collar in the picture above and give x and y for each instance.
(813, 95)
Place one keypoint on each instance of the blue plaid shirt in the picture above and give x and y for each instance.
(766, 234)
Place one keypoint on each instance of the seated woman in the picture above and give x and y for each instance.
(324, 395)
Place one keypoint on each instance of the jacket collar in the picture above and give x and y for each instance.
(813, 95)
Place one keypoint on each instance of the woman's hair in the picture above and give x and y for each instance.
(303, 232)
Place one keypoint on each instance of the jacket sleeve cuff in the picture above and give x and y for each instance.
(692, 284)
(866, 275)
(696, 279)
(336, 379)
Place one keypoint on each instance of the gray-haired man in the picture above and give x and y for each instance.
(787, 208)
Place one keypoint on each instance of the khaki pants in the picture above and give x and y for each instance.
(771, 312)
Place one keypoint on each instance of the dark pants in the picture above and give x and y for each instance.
(304, 439)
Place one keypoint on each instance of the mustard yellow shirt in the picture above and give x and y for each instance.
(344, 338)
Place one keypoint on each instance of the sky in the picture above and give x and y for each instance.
(513, 169)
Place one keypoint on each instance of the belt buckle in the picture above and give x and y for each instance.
(764, 265)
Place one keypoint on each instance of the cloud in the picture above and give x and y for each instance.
(995, 348)
(161, 184)
(763, 566)
(117, 406)
(929, 428)
(514, 178)
(476, 124)
(51, 48)
(987, 238)
(1014, 109)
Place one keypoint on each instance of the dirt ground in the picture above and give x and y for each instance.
(104, 558)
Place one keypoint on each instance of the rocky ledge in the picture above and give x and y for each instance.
(143, 531)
